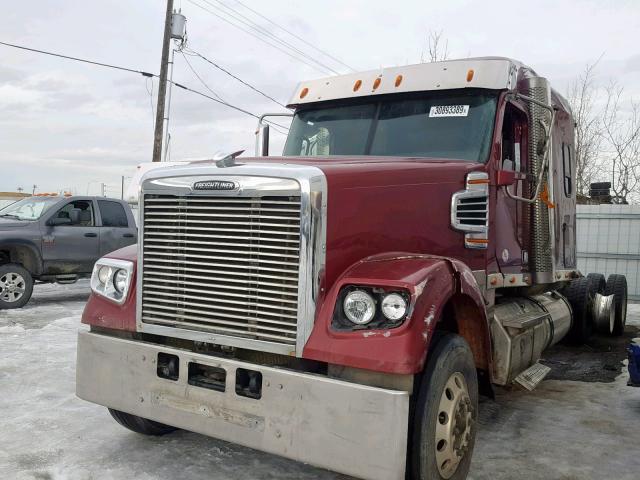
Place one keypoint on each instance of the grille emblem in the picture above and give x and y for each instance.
(216, 185)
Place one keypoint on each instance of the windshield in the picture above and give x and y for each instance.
(455, 125)
(31, 208)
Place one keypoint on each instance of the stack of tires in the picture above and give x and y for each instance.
(581, 294)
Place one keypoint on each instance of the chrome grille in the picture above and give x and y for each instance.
(223, 265)
(470, 210)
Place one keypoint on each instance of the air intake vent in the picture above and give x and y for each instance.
(470, 210)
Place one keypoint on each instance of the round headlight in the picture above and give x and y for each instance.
(394, 306)
(103, 275)
(120, 280)
(359, 307)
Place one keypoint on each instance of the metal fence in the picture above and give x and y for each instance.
(608, 241)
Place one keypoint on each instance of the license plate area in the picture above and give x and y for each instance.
(206, 376)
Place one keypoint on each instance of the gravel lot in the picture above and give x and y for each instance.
(582, 424)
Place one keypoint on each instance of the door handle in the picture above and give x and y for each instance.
(128, 235)
(89, 234)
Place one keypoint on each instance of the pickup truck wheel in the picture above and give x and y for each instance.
(139, 424)
(617, 286)
(446, 409)
(16, 286)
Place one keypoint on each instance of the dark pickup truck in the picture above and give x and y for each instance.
(57, 239)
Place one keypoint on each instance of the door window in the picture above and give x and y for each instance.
(79, 213)
(113, 214)
(566, 166)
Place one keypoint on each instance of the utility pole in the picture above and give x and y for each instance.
(34, 190)
(162, 88)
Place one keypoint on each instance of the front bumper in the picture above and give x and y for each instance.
(349, 428)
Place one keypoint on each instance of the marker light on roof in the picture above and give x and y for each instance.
(357, 85)
(376, 83)
(304, 92)
(470, 75)
(398, 80)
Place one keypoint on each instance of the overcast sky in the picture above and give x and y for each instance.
(70, 125)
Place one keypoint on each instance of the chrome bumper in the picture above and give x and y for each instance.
(345, 427)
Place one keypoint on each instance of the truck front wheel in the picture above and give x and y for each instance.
(446, 409)
(16, 286)
(139, 424)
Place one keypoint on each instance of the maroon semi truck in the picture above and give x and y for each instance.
(344, 304)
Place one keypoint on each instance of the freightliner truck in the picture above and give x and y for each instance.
(345, 304)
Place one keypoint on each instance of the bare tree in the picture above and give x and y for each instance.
(438, 48)
(582, 95)
(621, 132)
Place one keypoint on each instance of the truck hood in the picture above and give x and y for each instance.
(12, 224)
(377, 205)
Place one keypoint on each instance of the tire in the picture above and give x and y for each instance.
(617, 286)
(450, 372)
(598, 282)
(140, 425)
(577, 293)
(16, 286)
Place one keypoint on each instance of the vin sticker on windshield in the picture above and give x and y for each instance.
(449, 111)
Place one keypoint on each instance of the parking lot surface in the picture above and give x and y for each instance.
(584, 423)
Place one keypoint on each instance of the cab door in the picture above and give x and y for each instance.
(117, 230)
(511, 215)
(71, 239)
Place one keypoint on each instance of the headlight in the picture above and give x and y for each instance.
(120, 280)
(111, 278)
(359, 307)
(394, 306)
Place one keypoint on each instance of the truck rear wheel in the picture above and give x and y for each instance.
(598, 282)
(577, 293)
(446, 409)
(16, 286)
(617, 286)
(139, 424)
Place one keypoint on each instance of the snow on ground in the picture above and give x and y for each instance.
(563, 430)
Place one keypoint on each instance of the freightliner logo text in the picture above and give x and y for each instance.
(215, 185)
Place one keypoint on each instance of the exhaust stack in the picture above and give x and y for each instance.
(541, 254)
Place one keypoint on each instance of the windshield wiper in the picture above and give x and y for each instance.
(10, 215)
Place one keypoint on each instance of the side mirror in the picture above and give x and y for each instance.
(59, 221)
(262, 140)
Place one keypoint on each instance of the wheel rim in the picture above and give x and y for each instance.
(453, 425)
(12, 287)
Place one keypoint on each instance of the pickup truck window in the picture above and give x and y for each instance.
(113, 214)
(454, 124)
(29, 208)
(79, 213)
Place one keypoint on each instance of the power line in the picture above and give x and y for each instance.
(198, 76)
(260, 29)
(194, 53)
(107, 65)
(324, 52)
(256, 36)
(145, 74)
(227, 104)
